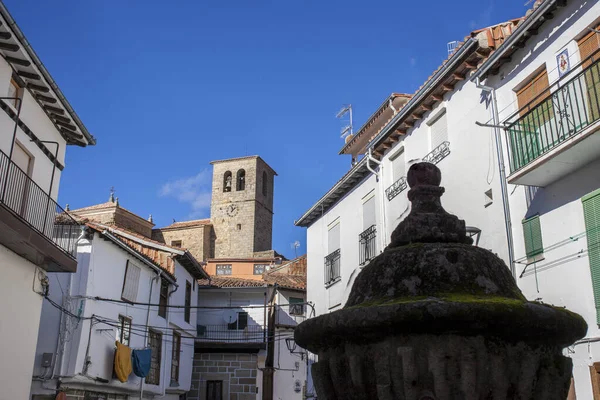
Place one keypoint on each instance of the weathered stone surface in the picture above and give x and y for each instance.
(435, 318)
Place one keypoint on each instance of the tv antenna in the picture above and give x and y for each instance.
(346, 110)
(295, 246)
(452, 46)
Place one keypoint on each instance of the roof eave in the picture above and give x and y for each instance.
(408, 108)
(540, 11)
(38, 63)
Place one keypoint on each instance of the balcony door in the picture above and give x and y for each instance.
(18, 181)
(588, 46)
(214, 390)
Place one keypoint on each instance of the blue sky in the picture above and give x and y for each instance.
(168, 86)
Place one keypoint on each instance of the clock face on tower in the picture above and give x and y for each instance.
(232, 210)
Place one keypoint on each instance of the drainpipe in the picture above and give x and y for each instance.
(382, 196)
(156, 278)
(391, 104)
(503, 185)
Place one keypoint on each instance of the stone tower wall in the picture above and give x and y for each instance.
(193, 239)
(248, 228)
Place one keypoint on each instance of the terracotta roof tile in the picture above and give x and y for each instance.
(286, 280)
(224, 282)
(187, 224)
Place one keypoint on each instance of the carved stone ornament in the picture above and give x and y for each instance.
(435, 318)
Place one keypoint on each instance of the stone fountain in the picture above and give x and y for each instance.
(435, 318)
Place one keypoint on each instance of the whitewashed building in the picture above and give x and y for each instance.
(37, 124)
(245, 348)
(546, 78)
(130, 289)
(353, 221)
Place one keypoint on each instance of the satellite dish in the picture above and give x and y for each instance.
(229, 316)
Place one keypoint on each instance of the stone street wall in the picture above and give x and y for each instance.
(237, 371)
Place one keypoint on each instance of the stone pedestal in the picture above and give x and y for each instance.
(435, 318)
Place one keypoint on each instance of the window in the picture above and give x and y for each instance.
(15, 91)
(240, 180)
(176, 243)
(214, 390)
(124, 330)
(532, 233)
(534, 92)
(241, 323)
(224, 269)
(131, 282)
(296, 306)
(260, 269)
(588, 45)
(164, 298)
(155, 343)
(398, 165)
(239, 227)
(175, 356)
(227, 181)
(265, 183)
(591, 213)
(438, 131)
(188, 301)
(332, 261)
(24, 161)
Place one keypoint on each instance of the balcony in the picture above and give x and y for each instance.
(332, 267)
(228, 336)
(396, 188)
(559, 133)
(289, 316)
(32, 224)
(367, 245)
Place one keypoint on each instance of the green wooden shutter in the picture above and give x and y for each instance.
(591, 212)
(532, 233)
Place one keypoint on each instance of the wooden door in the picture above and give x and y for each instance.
(214, 390)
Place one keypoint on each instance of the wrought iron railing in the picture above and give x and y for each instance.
(438, 154)
(20, 194)
(367, 244)
(225, 334)
(562, 114)
(332, 267)
(396, 188)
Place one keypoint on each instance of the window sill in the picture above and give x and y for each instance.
(333, 282)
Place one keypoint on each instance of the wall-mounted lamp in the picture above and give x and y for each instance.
(474, 232)
(291, 346)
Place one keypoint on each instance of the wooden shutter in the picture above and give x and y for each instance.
(333, 238)
(537, 86)
(591, 212)
(131, 283)
(588, 45)
(438, 131)
(399, 166)
(532, 233)
(369, 213)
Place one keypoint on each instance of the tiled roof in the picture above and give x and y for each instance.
(187, 224)
(297, 282)
(108, 204)
(151, 255)
(295, 267)
(224, 282)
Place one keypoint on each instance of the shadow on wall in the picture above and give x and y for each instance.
(564, 191)
(580, 9)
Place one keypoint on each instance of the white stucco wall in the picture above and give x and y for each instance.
(37, 120)
(101, 272)
(250, 300)
(289, 368)
(19, 321)
(563, 276)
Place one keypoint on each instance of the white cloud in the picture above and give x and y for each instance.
(194, 190)
(413, 61)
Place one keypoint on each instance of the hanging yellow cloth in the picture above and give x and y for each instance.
(122, 362)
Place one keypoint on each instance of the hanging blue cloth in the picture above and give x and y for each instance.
(140, 360)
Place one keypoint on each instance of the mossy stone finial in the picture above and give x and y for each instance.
(428, 222)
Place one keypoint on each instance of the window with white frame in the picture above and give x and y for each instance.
(438, 130)
(224, 269)
(131, 282)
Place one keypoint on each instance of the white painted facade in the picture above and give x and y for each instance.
(21, 278)
(289, 378)
(468, 172)
(561, 276)
(101, 272)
